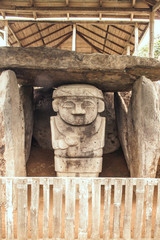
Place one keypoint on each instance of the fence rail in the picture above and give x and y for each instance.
(79, 208)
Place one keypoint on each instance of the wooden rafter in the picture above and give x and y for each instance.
(128, 41)
(64, 35)
(13, 33)
(106, 37)
(156, 7)
(49, 34)
(86, 36)
(118, 45)
(22, 29)
(112, 34)
(40, 31)
(92, 45)
(63, 40)
(120, 29)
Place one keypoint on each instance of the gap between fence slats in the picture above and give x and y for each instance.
(1, 193)
(149, 209)
(22, 210)
(9, 210)
(107, 204)
(139, 209)
(69, 209)
(83, 210)
(57, 207)
(117, 208)
(157, 224)
(96, 200)
(128, 209)
(46, 209)
(34, 208)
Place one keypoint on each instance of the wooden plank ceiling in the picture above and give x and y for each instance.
(50, 23)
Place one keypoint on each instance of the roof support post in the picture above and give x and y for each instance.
(136, 40)
(128, 50)
(6, 33)
(74, 38)
(151, 35)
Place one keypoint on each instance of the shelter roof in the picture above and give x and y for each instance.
(102, 25)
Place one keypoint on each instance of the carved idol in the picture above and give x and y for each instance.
(78, 130)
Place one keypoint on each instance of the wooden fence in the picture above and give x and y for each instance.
(79, 208)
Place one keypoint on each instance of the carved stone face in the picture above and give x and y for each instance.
(78, 110)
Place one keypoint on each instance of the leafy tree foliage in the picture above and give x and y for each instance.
(144, 51)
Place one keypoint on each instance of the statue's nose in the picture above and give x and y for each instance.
(78, 109)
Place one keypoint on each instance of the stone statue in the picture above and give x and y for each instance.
(78, 130)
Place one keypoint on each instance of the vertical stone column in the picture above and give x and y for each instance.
(78, 130)
(12, 133)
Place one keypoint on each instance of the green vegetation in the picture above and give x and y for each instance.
(143, 52)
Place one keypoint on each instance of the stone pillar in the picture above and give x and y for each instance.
(26, 94)
(139, 128)
(12, 134)
(78, 130)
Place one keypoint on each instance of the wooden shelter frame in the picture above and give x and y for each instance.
(96, 13)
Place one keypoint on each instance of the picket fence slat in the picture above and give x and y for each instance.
(46, 209)
(139, 209)
(83, 211)
(57, 208)
(128, 210)
(34, 208)
(117, 208)
(157, 223)
(9, 210)
(149, 208)
(107, 204)
(70, 209)
(96, 198)
(1, 193)
(22, 210)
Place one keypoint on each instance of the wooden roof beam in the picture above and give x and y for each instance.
(13, 33)
(63, 40)
(31, 3)
(99, 43)
(156, 7)
(3, 14)
(64, 35)
(106, 37)
(133, 2)
(49, 34)
(67, 3)
(75, 10)
(40, 34)
(118, 45)
(22, 29)
(92, 45)
(112, 34)
(40, 30)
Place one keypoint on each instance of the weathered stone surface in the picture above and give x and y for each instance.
(42, 113)
(78, 130)
(121, 119)
(111, 135)
(49, 67)
(144, 129)
(26, 94)
(12, 135)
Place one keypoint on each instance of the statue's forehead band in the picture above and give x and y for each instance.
(78, 91)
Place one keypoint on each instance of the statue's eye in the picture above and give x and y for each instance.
(86, 104)
(68, 104)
